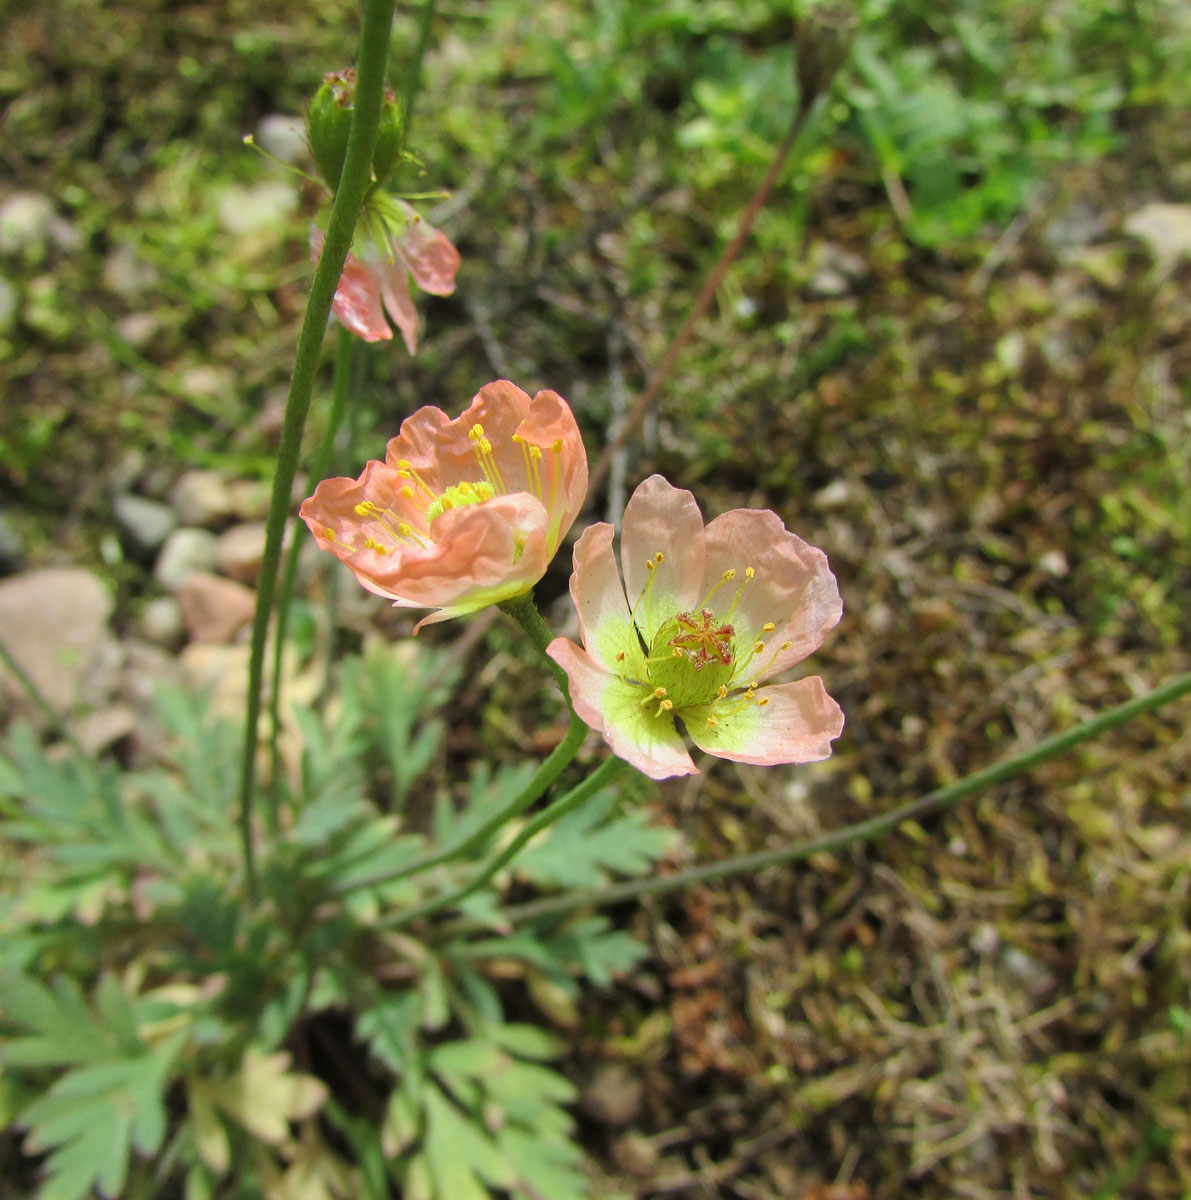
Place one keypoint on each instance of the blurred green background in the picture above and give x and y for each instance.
(954, 354)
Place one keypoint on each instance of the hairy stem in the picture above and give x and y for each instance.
(861, 831)
(805, 117)
(349, 200)
(525, 612)
(322, 457)
(600, 777)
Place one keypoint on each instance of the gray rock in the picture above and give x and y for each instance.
(161, 622)
(837, 271)
(241, 549)
(186, 552)
(249, 499)
(215, 609)
(252, 211)
(138, 329)
(144, 524)
(12, 550)
(99, 730)
(612, 1095)
(1166, 231)
(283, 136)
(54, 622)
(127, 275)
(201, 498)
(25, 220)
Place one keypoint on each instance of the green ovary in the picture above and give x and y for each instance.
(457, 495)
(692, 657)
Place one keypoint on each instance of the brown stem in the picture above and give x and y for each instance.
(662, 372)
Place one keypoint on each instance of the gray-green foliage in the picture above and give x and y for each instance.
(131, 973)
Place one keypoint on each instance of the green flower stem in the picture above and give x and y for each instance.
(526, 613)
(340, 387)
(349, 200)
(936, 801)
(600, 777)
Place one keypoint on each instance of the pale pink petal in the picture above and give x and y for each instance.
(605, 625)
(394, 290)
(385, 528)
(796, 725)
(560, 476)
(793, 589)
(357, 302)
(661, 519)
(482, 553)
(428, 254)
(419, 441)
(648, 741)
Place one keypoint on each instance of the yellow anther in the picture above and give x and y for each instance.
(768, 627)
(787, 645)
(758, 647)
(665, 705)
(465, 488)
(403, 464)
(535, 452)
(407, 492)
(329, 534)
(518, 440)
(620, 656)
(729, 575)
(763, 702)
(659, 692)
(659, 557)
(749, 573)
(557, 447)
(651, 565)
(405, 529)
(476, 432)
(712, 722)
(363, 508)
(723, 691)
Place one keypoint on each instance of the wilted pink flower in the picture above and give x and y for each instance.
(709, 614)
(463, 513)
(375, 275)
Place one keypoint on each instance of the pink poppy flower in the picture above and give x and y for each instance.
(463, 513)
(709, 614)
(375, 280)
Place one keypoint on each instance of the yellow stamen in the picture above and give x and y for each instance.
(329, 534)
(768, 627)
(749, 572)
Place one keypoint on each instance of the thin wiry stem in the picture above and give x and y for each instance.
(345, 211)
(525, 612)
(861, 831)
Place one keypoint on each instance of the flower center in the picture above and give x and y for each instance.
(457, 496)
(693, 657)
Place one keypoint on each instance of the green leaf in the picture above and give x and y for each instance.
(93, 1118)
(64, 1031)
(546, 1168)
(599, 952)
(590, 844)
(460, 1153)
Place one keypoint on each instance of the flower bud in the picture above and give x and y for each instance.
(330, 124)
(388, 138)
